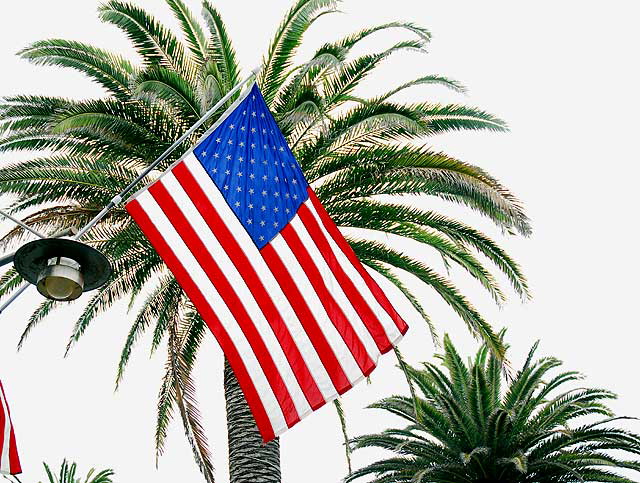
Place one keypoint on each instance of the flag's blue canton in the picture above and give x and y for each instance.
(249, 160)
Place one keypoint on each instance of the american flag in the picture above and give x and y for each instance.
(9, 461)
(297, 315)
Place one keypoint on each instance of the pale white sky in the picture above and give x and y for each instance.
(561, 73)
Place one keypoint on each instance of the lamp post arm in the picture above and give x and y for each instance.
(14, 296)
(20, 223)
(6, 259)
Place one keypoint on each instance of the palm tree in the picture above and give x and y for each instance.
(362, 156)
(464, 428)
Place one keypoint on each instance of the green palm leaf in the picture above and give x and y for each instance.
(369, 250)
(286, 42)
(428, 79)
(153, 42)
(109, 70)
(193, 33)
(68, 471)
(220, 48)
(159, 84)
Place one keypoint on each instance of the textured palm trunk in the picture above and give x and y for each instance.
(250, 460)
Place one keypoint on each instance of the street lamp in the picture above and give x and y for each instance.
(61, 269)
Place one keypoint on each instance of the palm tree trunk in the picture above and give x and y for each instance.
(250, 460)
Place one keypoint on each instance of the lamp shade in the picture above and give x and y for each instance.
(62, 269)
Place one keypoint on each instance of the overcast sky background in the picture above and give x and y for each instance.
(562, 74)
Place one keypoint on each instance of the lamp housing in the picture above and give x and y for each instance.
(60, 268)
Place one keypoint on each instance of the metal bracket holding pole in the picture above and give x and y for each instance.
(5, 259)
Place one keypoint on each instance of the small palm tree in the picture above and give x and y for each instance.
(363, 156)
(67, 474)
(464, 428)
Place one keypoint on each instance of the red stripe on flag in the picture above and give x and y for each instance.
(336, 314)
(14, 460)
(332, 229)
(365, 312)
(307, 319)
(246, 270)
(233, 302)
(208, 315)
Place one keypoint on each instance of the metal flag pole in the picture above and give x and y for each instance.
(118, 198)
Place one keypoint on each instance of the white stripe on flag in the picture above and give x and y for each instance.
(242, 291)
(299, 335)
(186, 258)
(388, 324)
(340, 349)
(334, 287)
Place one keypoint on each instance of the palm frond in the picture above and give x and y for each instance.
(385, 271)
(132, 272)
(455, 117)
(111, 71)
(154, 43)
(220, 48)
(339, 85)
(375, 215)
(428, 79)
(178, 389)
(343, 425)
(448, 250)
(194, 35)
(409, 170)
(159, 84)
(38, 315)
(286, 41)
(9, 281)
(145, 317)
(68, 471)
(350, 41)
(187, 405)
(369, 250)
